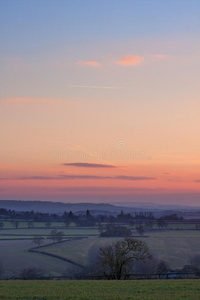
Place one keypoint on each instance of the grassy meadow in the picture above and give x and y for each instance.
(100, 290)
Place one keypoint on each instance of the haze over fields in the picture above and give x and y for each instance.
(99, 101)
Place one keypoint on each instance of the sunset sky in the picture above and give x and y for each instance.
(99, 100)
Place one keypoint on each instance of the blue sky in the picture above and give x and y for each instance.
(34, 27)
(41, 40)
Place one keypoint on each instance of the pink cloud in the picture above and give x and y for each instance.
(88, 63)
(131, 60)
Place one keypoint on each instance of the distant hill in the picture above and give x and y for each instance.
(95, 208)
(156, 206)
(59, 207)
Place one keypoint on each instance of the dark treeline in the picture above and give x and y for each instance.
(88, 219)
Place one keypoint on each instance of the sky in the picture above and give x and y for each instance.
(99, 101)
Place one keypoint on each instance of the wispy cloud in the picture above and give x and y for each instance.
(198, 180)
(119, 177)
(131, 60)
(38, 178)
(88, 165)
(68, 176)
(83, 177)
(110, 190)
(88, 63)
(124, 177)
(61, 177)
(95, 87)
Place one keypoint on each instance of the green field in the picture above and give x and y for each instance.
(29, 232)
(101, 290)
(37, 224)
(176, 234)
(181, 226)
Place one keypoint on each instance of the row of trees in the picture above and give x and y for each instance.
(147, 225)
(16, 224)
(55, 235)
(86, 219)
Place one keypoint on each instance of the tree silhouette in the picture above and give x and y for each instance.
(116, 259)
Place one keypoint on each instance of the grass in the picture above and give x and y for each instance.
(70, 231)
(181, 226)
(43, 230)
(98, 290)
(25, 224)
(176, 234)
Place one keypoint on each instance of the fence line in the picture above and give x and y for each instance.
(156, 276)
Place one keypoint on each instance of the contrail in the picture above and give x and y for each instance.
(95, 87)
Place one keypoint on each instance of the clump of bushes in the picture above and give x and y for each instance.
(116, 231)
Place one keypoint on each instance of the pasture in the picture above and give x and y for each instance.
(168, 246)
(174, 246)
(26, 232)
(14, 257)
(98, 290)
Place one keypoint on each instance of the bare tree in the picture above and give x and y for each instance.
(116, 231)
(162, 267)
(60, 235)
(37, 239)
(149, 224)
(47, 224)
(15, 223)
(117, 258)
(140, 229)
(31, 224)
(161, 223)
(56, 236)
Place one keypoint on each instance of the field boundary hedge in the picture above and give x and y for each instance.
(37, 250)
